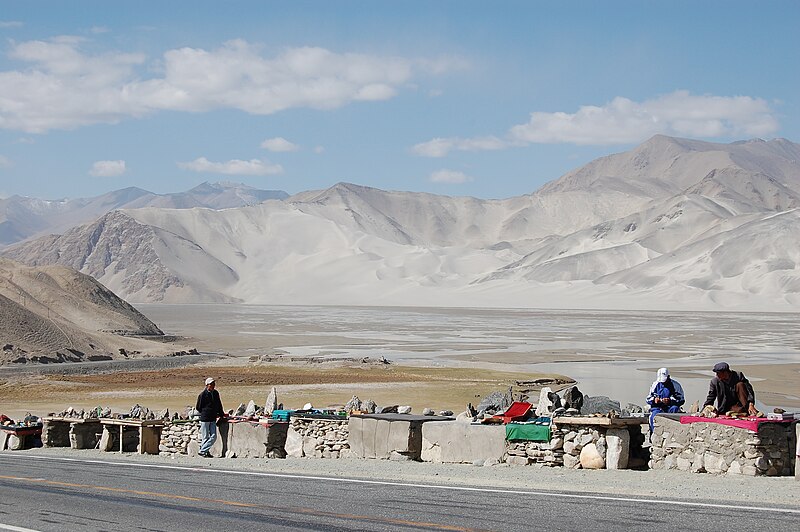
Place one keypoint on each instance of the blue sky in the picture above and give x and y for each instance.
(485, 99)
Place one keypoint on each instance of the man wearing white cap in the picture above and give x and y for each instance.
(666, 395)
(209, 405)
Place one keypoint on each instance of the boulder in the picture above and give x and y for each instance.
(599, 404)
(494, 402)
(251, 409)
(272, 402)
(404, 409)
(590, 458)
(369, 406)
(618, 445)
(353, 404)
(545, 406)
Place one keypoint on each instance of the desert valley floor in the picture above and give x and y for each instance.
(440, 357)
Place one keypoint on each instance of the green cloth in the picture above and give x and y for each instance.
(527, 432)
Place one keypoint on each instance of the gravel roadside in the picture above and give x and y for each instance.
(656, 485)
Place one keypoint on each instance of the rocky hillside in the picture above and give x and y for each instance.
(54, 314)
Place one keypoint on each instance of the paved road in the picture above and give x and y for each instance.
(53, 493)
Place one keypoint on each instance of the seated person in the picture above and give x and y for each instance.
(729, 391)
(666, 395)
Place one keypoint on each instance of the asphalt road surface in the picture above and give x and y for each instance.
(53, 493)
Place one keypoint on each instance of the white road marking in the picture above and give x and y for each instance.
(649, 502)
(16, 528)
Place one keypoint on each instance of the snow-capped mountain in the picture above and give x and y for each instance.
(673, 223)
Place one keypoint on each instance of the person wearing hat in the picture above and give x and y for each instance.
(666, 395)
(729, 391)
(209, 405)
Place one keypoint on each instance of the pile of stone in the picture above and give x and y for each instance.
(716, 448)
(74, 413)
(317, 438)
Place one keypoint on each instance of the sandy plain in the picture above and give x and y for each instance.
(440, 357)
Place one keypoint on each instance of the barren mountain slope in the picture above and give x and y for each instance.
(597, 229)
(58, 313)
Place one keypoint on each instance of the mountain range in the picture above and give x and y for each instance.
(672, 224)
(22, 218)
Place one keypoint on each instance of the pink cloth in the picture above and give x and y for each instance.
(746, 423)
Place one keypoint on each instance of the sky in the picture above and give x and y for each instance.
(462, 98)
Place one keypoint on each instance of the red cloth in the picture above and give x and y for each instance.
(746, 423)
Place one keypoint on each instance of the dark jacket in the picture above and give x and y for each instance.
(722, 395)
(209, 405)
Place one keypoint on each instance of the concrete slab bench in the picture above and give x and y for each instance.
(462, 443)
(388, 436)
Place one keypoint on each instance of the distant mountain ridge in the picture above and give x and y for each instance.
(673, 223)
(22, 217)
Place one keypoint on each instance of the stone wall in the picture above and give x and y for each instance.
(715, 448)
(582, 446)
(176, 435)
(533, 452)
(318, 438)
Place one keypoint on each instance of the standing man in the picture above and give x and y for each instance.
(666, 396)
(210, 407)
(729, 391)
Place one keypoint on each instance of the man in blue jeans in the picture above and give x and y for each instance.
(210, 407)
(666, 395)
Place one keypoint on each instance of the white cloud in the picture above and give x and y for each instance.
(623, 121)
(440, 147)
(99, 29)
(10, 24)
(449, 176)
(233, 167)
(107, 169)
(279, 144)
(62, 87)
(5, 162)
(319, 149)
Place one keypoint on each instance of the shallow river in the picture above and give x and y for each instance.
(614, 353)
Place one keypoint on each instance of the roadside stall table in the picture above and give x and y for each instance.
(147, 434)
(78, 433)
(623, 438)
(18, 437)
